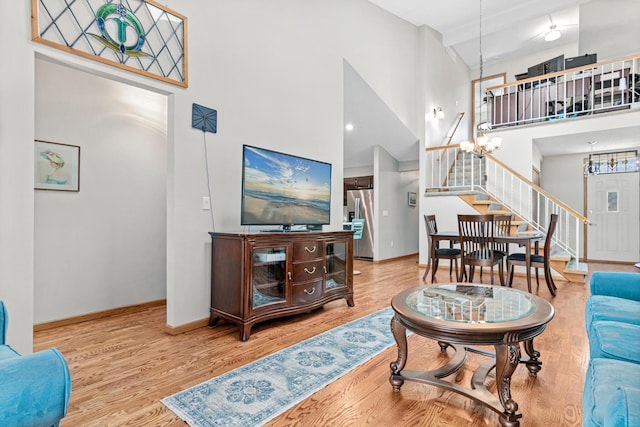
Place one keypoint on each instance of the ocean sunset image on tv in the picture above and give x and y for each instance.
(282, 189)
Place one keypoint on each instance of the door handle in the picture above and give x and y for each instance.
(313, 270)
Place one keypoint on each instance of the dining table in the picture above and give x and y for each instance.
(524, 238)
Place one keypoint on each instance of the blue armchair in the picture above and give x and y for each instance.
(34, 389)
(612, 383)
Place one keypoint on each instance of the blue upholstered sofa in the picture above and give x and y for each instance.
(34, 389)
(612, 385)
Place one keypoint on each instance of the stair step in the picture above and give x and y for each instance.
(560, 255)
(482, 202)
(576, 267)
(497, 212)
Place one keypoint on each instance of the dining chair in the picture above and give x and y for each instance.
(436, 253)
(537, 261)
(477, 245)
(502, 226)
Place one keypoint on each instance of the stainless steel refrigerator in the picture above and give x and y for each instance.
(360, 205)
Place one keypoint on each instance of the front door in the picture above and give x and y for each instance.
(613, 208)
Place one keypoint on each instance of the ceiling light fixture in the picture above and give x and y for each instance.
(482, 144)
(438, 113)
(349, 127)
(591, 167)
(552, 34)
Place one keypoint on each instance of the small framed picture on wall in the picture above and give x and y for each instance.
(412, 198)
(57, 166)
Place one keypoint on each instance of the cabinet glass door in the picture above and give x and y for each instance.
(269, 276)
(335, 261)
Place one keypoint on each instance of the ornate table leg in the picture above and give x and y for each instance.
(400, 335)
(533, 364)
(507, 359)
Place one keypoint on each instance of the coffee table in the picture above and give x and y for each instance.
(464, 315)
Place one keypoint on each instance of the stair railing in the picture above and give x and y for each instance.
(532, 203)
(452, 170)
(595, 88)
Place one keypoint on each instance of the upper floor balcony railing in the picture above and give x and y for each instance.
(591, 89)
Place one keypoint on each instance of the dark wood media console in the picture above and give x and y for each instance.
(261, 276)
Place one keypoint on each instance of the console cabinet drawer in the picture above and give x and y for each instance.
(307, 292)
(307, 249)
(305, 271)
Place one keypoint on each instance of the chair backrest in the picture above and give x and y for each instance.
(502, 225)
(432, 228)
(357, 225)
(550, 230)
(476, 235)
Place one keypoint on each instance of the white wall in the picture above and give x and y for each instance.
(273, 72)
(522, 64)
(104, 246)
(358, 171)
(610, 28)
(446, 83)
(395, 222)
(16, 173)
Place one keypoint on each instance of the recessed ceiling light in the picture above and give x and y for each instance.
(349, 127)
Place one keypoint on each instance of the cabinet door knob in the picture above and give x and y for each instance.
(310, 292)
(289, 275)
(313, 270)
(310, 250)
(325, 269)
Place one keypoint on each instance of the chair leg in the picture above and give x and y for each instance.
(455, 260)
(436, 262)
(501, 273)
(549, 280)
(471, 271)
(538, 279)
(510, 275)
(490, 272)
(426, 272)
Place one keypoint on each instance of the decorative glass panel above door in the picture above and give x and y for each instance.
(135, 35)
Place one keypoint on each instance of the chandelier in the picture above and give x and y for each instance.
(482, 143)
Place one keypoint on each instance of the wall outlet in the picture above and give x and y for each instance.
(385, 213)
(206, 203)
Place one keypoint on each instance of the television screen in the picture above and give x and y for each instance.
(282, 189)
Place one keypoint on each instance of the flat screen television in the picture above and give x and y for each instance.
(550, 66)
(283, 189)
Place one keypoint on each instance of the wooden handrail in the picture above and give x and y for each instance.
(563, 72)
(540, 190)
(450, 136)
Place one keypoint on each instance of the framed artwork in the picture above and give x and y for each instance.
(412, 198)
(57, 166)
(479, 105)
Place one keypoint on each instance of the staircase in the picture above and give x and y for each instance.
(491, 187)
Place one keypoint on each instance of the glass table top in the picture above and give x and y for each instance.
(468, 303)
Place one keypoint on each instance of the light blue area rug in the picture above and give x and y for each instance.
(255, 393)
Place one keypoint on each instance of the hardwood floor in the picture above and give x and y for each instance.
(121, 366)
